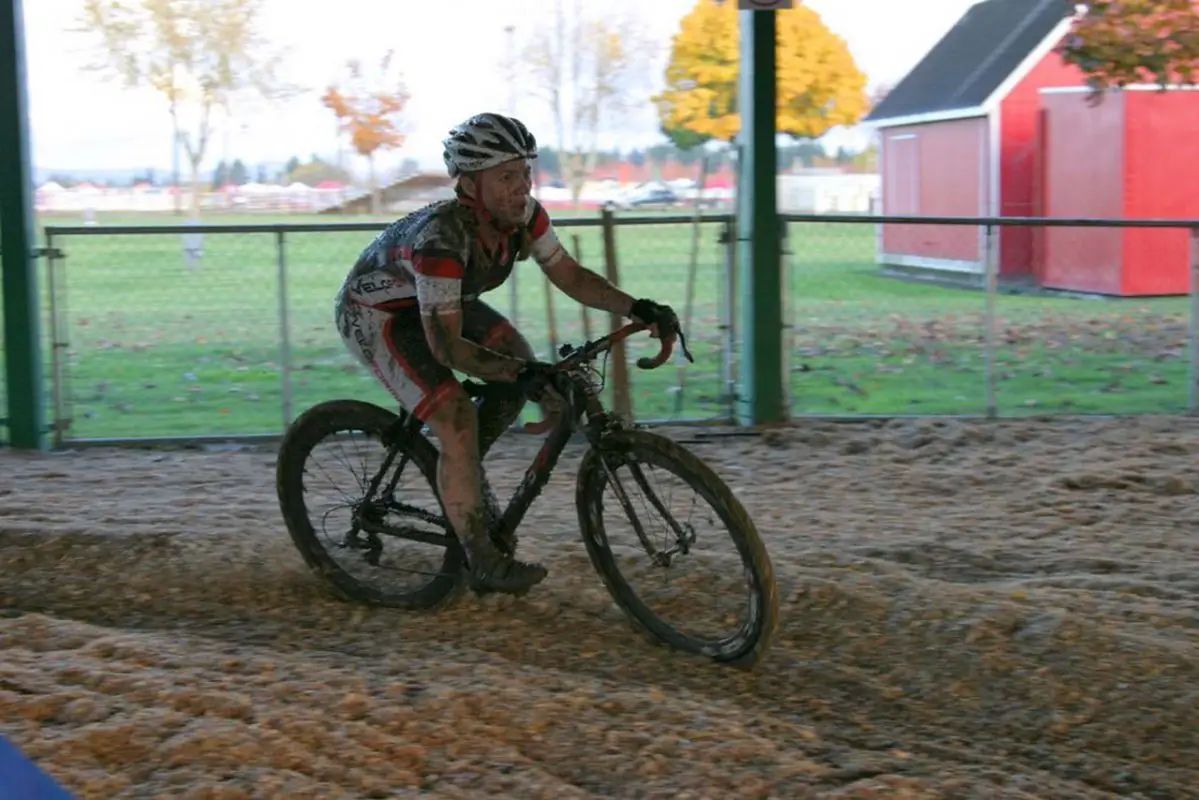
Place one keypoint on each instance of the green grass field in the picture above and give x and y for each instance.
(157, 348)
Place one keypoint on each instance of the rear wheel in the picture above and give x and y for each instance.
(627, 547)
(391, 547)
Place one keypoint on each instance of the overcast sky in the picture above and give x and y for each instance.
(81, 122)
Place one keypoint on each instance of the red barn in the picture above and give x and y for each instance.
(959, 138)
(1135, 155)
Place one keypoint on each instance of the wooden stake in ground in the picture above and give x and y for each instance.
(582, 308)
(549, 317)
(621, 402)
(692, 268)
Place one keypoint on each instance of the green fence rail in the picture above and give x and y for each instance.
(226, 331)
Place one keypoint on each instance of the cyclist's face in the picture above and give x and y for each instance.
(506, 190)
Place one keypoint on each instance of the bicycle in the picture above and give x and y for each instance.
(612, 444)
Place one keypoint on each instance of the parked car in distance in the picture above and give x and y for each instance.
(646, 195)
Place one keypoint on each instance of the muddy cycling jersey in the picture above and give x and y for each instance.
(434, 259)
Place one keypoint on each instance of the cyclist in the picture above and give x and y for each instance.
(410, 311)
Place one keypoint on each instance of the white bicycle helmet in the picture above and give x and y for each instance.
(485, 140)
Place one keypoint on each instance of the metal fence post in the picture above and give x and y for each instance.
(1193, 333)
(728, 312)
(284, 328)
(57, 345)
(989, 322)
(787, 330)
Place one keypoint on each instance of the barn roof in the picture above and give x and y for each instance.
(972, 60)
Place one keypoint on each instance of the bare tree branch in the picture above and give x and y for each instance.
(198, 54)
(586, 69)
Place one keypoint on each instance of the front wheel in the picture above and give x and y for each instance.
(629, 546)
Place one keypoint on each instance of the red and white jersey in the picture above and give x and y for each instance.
(433, 259)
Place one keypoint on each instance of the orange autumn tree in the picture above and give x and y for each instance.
(369, 107)
(1120, 42)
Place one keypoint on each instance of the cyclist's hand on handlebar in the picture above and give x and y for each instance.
(536, 381)
(534, 378)
(663, 322)
(661, 319)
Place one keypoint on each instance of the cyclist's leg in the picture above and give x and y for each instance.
(395, 348)
(489, 328)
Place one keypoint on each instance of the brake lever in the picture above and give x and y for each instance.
(683, 344)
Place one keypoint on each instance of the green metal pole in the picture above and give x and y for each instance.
(22, 335)
(762, 396)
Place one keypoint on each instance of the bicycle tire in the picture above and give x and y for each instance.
(308, 430)
(645, 447)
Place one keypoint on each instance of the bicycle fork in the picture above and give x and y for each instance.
(683, 538)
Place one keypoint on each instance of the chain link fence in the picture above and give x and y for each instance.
(920, 316)
(227, 331)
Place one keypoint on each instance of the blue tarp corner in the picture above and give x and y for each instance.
(20, 778)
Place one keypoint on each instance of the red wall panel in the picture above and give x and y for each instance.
(1161, 179)
(1019, 162)
(935, 169)
(1083, 177)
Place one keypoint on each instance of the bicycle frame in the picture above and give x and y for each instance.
(583, 409)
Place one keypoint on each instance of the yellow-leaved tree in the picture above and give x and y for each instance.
(819, 84)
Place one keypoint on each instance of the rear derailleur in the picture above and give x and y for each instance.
(362, 536)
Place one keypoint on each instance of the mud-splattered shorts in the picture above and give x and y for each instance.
(393, 345)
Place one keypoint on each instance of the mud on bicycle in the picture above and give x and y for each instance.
(384, 513)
